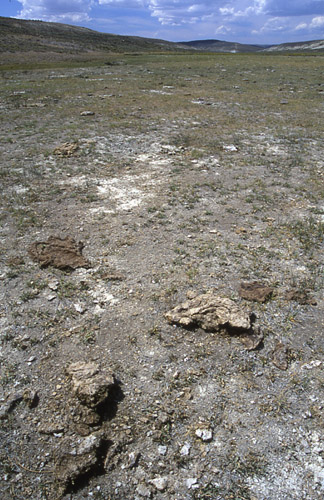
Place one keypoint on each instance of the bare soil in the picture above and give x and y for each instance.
(189, 174)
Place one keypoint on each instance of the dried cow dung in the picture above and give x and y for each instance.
(90, 383)
(63, 253)
(78, 461)
(255, 291)
(66, 149)
(211, 313)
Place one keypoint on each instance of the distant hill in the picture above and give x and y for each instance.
(63, 41)
(221, 46)
(27, 41)
(313, 45)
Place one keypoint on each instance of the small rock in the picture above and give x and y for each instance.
(230, 148)
(53, 284)
(133, 459)
(162, 450)
(204, 434)
(160, 483)
(79, 308)
(87, 113)
(191, 481)
(240, 230)
(98, 311)
(50, 296)
(185, 450)
(144, 491)
(31, 398)
(313, 364)
(280, 356)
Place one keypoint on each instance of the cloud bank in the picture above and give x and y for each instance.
(56, 10)
(262, 21)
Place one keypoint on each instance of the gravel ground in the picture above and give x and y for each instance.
(180, 175)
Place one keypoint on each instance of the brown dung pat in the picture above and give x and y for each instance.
(62, 253)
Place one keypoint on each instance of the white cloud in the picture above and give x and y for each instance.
(225, 11)
(249, 21)
(315, 26)
(196, 8)
(301, 27)
(56, 10)
(180, 12)
(222, 30)
(123, 3)
(272, 25)
(317, 22)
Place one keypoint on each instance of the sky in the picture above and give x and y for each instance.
(243, 21)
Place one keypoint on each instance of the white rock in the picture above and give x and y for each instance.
(313, 364)
(191, 481)
(185, 450)
(204, 434)
(143, 491)
(88, 444)
(53, 284)
(162, 450)
(230, 147)
(79, 308)
(160, 483)
(50, 296)
(98, 310)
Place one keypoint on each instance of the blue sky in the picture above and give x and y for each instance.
(245, 21)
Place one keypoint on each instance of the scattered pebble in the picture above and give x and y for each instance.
(79, 308)
(204, 434)
(143, 491)
(53, 285)
(160, 483)
(50, 297)
(185, 450)
(230, 148)
(191, 481)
